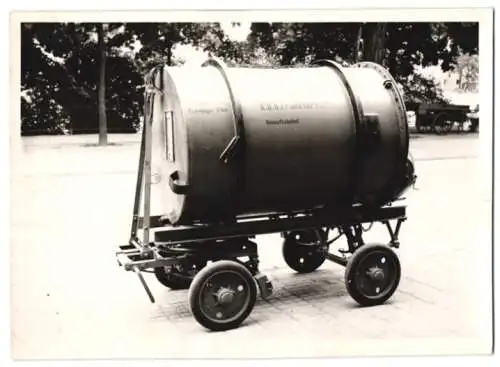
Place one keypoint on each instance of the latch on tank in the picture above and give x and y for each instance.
(370, 131)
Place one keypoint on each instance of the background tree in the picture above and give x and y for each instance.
(468, 72)
(156, 41)
(374, 37)
(398, 46)
(75, 75)
(45, 85)
(65, 59)
(101, 45)
(67, 66)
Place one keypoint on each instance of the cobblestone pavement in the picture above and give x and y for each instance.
(71, 300)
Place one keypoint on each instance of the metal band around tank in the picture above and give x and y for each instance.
(231, 148)
(234, 149)
(401, 116)
(358, 117)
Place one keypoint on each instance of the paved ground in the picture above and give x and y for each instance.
(71, 210)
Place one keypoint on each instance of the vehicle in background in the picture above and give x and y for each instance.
(442, 118)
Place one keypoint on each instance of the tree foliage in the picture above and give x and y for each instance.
(292, 43)
(418, 88)
(158, 40)
(45, 86)
(398, 46)
(468, 72)
(405, 44)
(60, 72)
(60, 61)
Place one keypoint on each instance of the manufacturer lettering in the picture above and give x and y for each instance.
(278, 107)
(282, 121)
(208, 110)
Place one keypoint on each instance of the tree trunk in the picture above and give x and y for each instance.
(169, 54)
(374, 42)
(359, 44)
(103, 124)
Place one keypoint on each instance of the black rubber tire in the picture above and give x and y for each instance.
(313, 256)
(351, 273)
(199, 282)
(173, 279)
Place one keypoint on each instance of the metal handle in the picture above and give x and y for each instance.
(175, 185)
(230, 149)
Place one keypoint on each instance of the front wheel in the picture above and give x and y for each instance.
(372, 274)
(222, 295)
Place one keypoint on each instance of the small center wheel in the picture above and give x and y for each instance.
(303, 251)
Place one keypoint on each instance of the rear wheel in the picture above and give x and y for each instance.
(372, 274)
(178, 276)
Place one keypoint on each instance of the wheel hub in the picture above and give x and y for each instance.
(225, 296)
(376, 274)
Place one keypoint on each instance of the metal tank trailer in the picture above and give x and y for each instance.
(314, 153)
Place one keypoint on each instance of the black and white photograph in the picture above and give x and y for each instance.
(230, 184)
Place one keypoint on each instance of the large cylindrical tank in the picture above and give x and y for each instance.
(234, 141)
